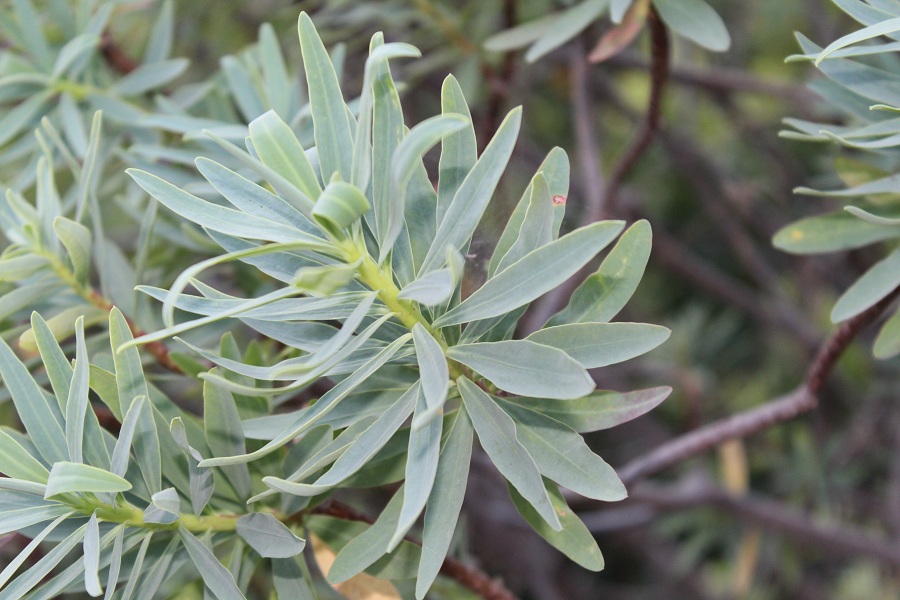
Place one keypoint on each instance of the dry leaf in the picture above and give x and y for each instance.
(358, 587)
(617, 38)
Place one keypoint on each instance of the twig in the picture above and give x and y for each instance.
(781, 409)
(659, 72)
(467, 575)
(115, 56)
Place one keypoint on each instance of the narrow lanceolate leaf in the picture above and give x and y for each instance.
(600, 410)
(497, 435)
(41, 417)
(695, 20)
(876, 283)
(534, 274)
(22, 584)
(567, 25)
(574, 540)
(115, 564)
(216, 577)
(885, 27)
(200, 478)
(340, 205)
(537, 225)
(224, 434)
(77, 240)
(269, 536)
(434, 372)
(445, 501)
(68, 477)
(887, 344)
(279, 149)
(601, 344)
(16, 462)
(122, 450)
(215, 217)
(334, 140)
(77, 403)
(474, 194)
(421, 138)
(459, 150)
(563, 456)
(289, 580)
(26, 552)
(602, 295)
(164, 507)
(431, 289)
(91, 560)
(526, 368)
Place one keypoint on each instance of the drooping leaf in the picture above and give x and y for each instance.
(68, 477)
(216, 577)
(435, 375)
(601, 344)
(599, 410)
(269, 536)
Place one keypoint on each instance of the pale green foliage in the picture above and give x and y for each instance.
(864, 88)
(359, 262)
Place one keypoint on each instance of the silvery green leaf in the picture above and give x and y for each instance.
(91, 559)
(574, 540)
(325, 404)
(269, 536)
(62, 326)
(22, 485)
(829, 232)
(131, 384)
(242, 88)
(474, 193)
(600, 410)
(497, 435)
(213, 216)
(73, 50)
(157, 573)
(537, 224)
(78, 403)
(17, 462)
(431, 289)
(22, 584)
(27, 551)
(216, 577)
(887, 343)
(17, 519)
(224, 434)
(276, 81)
(434, 372)
(526, 368)
(159, 43)
(68, 477)
(407, 156)
(563, 456)
(137, 566)
(122, 451)
(251, 197)
(34, 41)
(601, 344)
(150, 76)
(22, 116)
(40, 417)
(876, 283)
(536, 273)
(445, 500)
(601, 296)
(886, 27)
(115, 564)
(520, 35)
(387, 131)
(279, 149)
(459, 150)
(290, 581)
(164, 507)
(421, 468)
(334, 140)
(27, 296)
(200, 478)
(567, 24)
(358, 453)
(869, 217)
(78, 242)
(339, 206)
(20, 267)
(695, 20)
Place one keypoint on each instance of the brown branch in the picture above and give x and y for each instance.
(659, 72)
(465, 574)
(115, 56)
(781, 409)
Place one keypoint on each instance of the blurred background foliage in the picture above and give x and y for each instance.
(808, 509)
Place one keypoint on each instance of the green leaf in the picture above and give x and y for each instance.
(16, 462)
(574, 540)
(28, 550)
(521, 35)
(269, 536)
(91, 560)
(537, 224)
(600, 410)
(602, 295)
(408, 155)
(279, 149)
(40, 418)
(887, 344)
(78, 242)
(68, 477)
(77, 47)
(601, 344)
(17, 519)
(459, 150)
(474, 194)
(695, 20)
(340, 205)
(885, 27)
(164, 507)
(150, 76)
(200, 478)
(224, 434)
(563, 456)
(497, 435)
(421, 469)
(276, 80)
(78, 403)
(567, 25)
(526, 368)
(334, 141)
(830, 232)
(290, 581)
(115, 564)
(434, 372)
(874, 285)
(536, 273)
(159, 42)
(432, 289)
(216, 577)
(22, 584)
(445, 501)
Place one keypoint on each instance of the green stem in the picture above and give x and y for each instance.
(134, 517)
